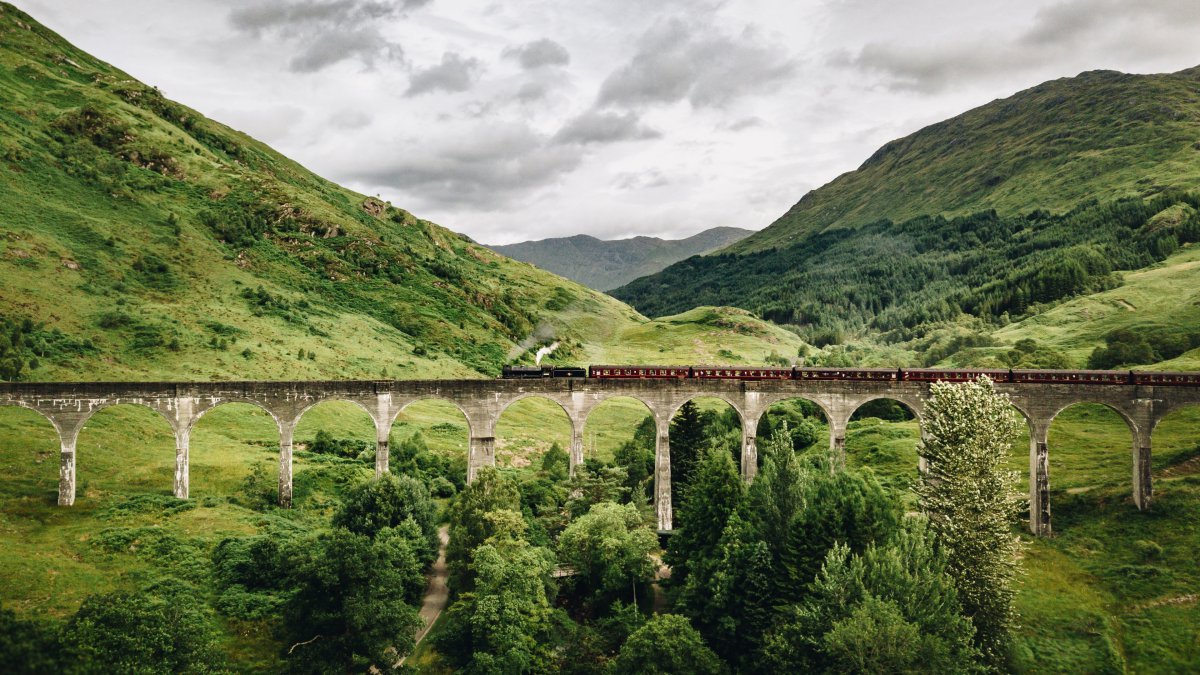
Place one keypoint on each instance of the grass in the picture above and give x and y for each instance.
(1166, 295)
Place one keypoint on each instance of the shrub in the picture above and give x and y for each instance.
(389, 501)
(161, 629)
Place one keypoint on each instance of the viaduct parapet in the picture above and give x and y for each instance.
(69, 405)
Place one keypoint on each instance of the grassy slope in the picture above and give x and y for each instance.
(1167, 295)
(1101, 134)
(148, 224)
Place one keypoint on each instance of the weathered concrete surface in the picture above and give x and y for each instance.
(69, 405)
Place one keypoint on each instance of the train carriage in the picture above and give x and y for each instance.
(1072, 376)
(1165, 378)
(953, 375)
(872, 374)
(641, 372)
(740, 373)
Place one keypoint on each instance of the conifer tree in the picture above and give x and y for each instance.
(714, 494)
(687, 441)
(972, 502)
(776, 495)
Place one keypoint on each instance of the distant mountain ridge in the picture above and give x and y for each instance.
(607, 264)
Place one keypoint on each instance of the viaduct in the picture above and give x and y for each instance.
(69, 405)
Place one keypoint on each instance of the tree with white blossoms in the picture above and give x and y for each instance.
(972, 502)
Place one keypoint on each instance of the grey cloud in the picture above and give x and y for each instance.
(640, 180)
(1139, 30)
(488, 167)
(350, 119)
(744, 123)
(532, 91)
(544, 52)
(325, 32)
(453, 74)
(595, 126)
(679, 60)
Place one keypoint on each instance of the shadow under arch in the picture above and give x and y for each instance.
(124, 448)
(29, 452)
(527, 427)
(234, 448)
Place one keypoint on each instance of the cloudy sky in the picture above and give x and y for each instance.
(525, 119)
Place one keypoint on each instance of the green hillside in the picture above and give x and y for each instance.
(1101, 135)
(603, 265)
(141, 240)
(990, 218)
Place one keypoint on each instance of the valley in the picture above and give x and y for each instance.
(1058, 228)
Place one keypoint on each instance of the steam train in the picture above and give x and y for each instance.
(1132, 377)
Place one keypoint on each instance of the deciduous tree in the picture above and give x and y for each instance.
(972, 502)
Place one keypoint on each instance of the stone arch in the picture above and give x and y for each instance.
(43, 414)
(591, 439)
(32, 455)
(1074, 446)
(521, 397)
(675, 406)
(823, 405)
(890, 448)
(149, 464)
(1176, 440)
(247, 451)
(295, 421)
(912, 406)
(279, 422)
(1123, 414)
(761, 432)
(171, 422)
(401, 408)
(436, 441)
(567, 438)
(679, 463)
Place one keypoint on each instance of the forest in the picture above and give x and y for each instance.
(552, 572)
(901, 281)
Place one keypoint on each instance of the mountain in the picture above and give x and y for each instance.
(605, 265)
(963, 227)
(1099, 135)
(141, 239)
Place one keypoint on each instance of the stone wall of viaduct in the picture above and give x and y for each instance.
(69, 405)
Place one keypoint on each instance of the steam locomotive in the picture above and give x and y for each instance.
(1131, 377)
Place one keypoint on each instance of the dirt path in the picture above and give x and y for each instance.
(436, 594)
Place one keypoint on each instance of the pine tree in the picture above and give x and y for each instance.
(776, 495)
(687, 440)
(714, 494)
(972, 502)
